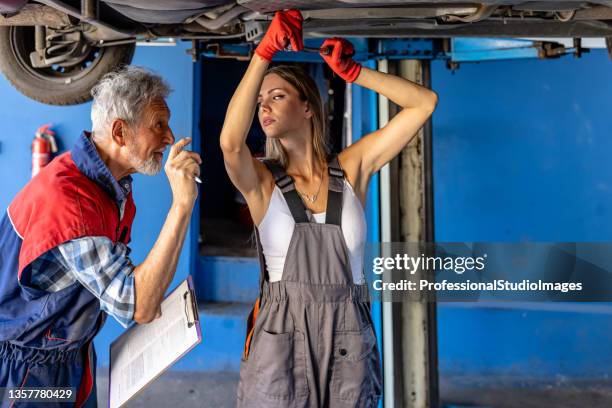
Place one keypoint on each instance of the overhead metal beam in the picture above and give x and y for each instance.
(392, 13)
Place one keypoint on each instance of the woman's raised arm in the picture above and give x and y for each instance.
(372, 152)
(244, 171)
(239, 163)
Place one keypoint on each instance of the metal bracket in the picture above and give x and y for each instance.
(241, 52)
(58, 48)
(408, 49)
(194, 51)
(254, 30)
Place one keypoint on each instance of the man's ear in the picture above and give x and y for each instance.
(119, 131)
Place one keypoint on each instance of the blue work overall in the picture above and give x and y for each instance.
(46, 337)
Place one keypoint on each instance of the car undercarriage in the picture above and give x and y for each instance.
(51, 43)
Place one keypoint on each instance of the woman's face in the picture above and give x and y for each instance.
(280, 109)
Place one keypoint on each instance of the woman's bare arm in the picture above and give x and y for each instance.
(239, 163)
(248, 174)
(372, 152)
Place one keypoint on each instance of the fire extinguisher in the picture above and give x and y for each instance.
(43, 146)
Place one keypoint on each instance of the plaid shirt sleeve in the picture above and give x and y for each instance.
(106, 271)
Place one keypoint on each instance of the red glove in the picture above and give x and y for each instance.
(339, 59)
(286, 28)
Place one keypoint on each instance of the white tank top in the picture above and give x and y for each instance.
(276, 229)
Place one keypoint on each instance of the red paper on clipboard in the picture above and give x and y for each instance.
(144, 352)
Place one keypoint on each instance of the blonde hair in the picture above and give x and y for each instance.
(308, 92)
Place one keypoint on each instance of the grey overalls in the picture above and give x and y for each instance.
(313, 344)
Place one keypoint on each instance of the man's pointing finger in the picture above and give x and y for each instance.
(178, 147)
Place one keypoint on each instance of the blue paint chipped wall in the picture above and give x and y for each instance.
(20, 117)
(521, 153)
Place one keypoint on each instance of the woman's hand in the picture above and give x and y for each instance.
(340, 58)
(286, 28)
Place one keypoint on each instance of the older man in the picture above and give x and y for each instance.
(64, 259)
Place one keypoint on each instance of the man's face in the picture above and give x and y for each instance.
(153, 134)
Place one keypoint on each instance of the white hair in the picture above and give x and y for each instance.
(124, 94)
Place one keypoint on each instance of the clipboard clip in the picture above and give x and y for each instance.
(191, 309)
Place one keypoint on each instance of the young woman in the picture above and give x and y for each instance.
(312, 344)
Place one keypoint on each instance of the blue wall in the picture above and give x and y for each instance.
(521, 150)
(21, 117)
(521, 154)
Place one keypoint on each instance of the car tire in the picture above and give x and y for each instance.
(51, 85)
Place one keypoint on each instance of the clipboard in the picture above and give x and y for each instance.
(144, 352)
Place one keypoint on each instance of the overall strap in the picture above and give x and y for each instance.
(334, 195)
(263, 277)
(263, 271)
(285, 184)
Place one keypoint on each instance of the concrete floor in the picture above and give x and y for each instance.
(559, 394)
(218, 390)
(180, 389)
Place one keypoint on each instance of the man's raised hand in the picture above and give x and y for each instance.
(181, 168)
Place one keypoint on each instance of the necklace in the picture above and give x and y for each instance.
(312, 198)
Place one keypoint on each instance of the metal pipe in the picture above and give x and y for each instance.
(223, 19)
(112, 43)
(211, 37)
(390, 13)
(71, 11)
(385, 235)
(89, 9)
(39, 39)
(429, 231)
(428, 165)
